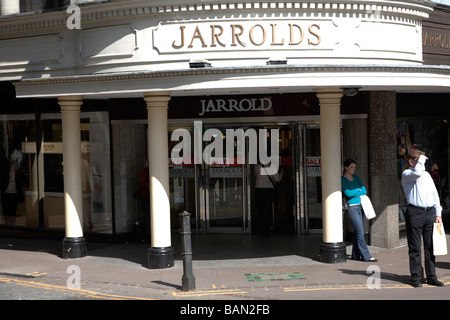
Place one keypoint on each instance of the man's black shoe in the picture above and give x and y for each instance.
(416, 284)
(435, 282)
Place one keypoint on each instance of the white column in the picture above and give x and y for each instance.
(161, 253)
(9, 7)
(74, 245)
(333, 248)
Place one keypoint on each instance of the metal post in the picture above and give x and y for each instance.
(188, 279)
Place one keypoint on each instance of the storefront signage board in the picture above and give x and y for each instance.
(436, 37)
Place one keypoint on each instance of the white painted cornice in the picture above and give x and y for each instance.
(257, 79)
(444, 70)
(415, 9)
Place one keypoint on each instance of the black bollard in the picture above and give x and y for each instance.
(188, 279)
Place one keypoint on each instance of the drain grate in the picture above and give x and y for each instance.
(259, 277)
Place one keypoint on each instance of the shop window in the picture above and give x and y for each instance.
(41, 5)
(15, 174)
(431, 136)
(36, 147)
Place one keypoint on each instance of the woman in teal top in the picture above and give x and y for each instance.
(353, 189)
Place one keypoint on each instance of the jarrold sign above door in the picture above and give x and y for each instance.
(226, 36)
(228, 106)
(235, 105)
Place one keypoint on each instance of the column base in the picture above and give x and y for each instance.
(74, 248)
(333, 252)
(160, 258)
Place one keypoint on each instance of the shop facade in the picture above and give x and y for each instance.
(225, 199)
(138, 80)
(423, 118)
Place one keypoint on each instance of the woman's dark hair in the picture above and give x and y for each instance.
(348, 162)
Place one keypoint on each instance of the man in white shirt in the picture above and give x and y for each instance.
(423, 211)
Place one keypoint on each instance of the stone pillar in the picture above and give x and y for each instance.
(74, 244)
(9, 7)
(355, 146)
(383, 191)
(332, 250)
(160, 255)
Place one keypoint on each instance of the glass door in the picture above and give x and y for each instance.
(313, 179)
(224, 183)
(229, 185)
(283, 208)
(184, 178)
(221, 188)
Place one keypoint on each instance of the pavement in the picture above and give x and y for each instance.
(225, 267)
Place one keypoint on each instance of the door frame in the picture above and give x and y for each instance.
(297, 210)
(298, 126)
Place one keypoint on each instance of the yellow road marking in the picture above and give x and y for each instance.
(351, 287)
(35, 274)
(207, 293)
(83, 292)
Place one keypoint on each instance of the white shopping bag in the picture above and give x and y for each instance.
(367, 207)
(439, 240)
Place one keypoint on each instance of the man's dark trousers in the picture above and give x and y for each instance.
(419, 224)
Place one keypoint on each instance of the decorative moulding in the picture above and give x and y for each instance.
(122, 9)
(108, 42)
(442, 70)
(13, 54)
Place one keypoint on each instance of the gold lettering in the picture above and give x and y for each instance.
(444, 41)
(314, 34)
(441, 40)
(274, 43)
(197, 35)
(436, 40)
(263, 34)
(291, 28)
(215, 37)
(257, 35)
(235, 36)
(425, 38)
(182, 39)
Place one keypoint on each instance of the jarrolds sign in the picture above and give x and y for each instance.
(318, 37)
(436, 37)
(228, 36)
(233, 35)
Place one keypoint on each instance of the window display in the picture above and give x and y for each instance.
(431, 136)
(32, 144)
